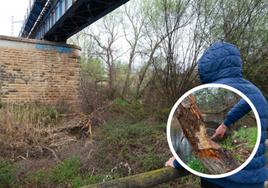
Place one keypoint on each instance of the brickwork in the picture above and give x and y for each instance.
(32, 70)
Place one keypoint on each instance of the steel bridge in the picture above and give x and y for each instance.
(57, 20)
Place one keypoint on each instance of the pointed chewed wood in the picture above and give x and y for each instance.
(215, 159)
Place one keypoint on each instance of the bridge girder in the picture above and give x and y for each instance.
(60, 19)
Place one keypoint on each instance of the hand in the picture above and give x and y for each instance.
(220, 131)
(169, 163)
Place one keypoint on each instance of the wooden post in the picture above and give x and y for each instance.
(147, 179)
(216, 159)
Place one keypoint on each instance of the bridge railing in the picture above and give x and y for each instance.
(48, 16)
(32, 13)
(26, 16)
(52, 15)
(57, 20)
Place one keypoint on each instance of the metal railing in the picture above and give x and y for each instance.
(57, 10)
(50, 14)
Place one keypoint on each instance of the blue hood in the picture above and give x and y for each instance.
(221, 63)
(221, 60)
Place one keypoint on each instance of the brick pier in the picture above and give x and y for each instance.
(34, 70)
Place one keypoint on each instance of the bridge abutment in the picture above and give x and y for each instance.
(35, 70)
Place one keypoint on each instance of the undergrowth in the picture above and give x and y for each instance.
(196, 165)
(142, 145)
(247, 136)
(8, 173)
(122, 146)
(135, 110)
(65, 174)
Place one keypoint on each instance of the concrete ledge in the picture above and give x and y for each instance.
(34, 41)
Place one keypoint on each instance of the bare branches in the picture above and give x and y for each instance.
(105, 48)
(136, 20)
(155, 46)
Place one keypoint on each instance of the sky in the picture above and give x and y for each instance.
(9, 8)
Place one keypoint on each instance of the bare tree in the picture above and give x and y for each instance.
(136, 20)
(105, 39)
(177, 30)
(243, 23)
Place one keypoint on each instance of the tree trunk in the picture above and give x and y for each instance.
(111, 81)
(147, 179)
(215, 159)
(126, 85)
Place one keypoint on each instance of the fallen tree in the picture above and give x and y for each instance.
(215, 159)
(147, 179)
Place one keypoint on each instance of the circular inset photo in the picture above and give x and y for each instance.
(213, 130)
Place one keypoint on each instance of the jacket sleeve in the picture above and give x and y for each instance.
(237, 112)
(176, 164)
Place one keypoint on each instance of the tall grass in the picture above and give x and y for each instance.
(21, 126)
(29, 113)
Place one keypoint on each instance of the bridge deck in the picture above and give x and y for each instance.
(60, 19)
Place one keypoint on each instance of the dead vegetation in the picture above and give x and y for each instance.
(35, 131)
(64, 153)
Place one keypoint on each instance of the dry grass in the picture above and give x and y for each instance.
(28, 131)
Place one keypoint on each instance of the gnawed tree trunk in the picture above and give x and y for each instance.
(215, 159)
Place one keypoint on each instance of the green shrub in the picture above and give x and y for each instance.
(121, 102)
(248, 135)
(122, 131)
(137, 111)
(195, 164)
(134, 111)
(161, 114)
(64, 174)
(37, 178)
(7, 174)
(151, 161)
(66, 171)
(126, 141)
(227, 143)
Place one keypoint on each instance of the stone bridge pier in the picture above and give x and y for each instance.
(36, 70)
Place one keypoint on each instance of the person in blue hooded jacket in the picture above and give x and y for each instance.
(221, 63)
